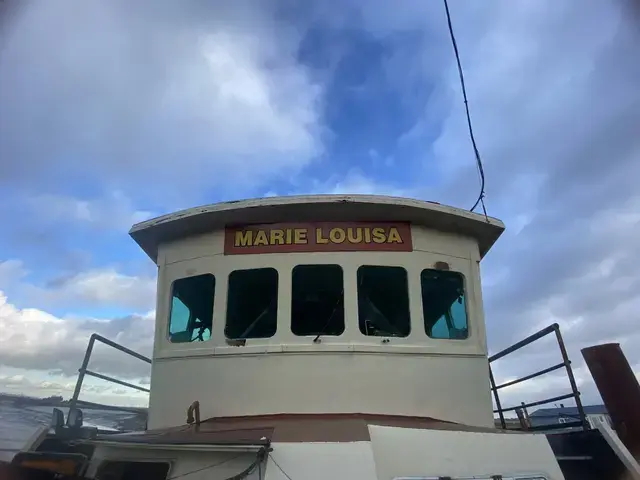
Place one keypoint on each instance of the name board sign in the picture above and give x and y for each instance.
(318, 237)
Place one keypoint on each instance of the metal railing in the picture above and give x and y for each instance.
(566, 364)
(83, 370)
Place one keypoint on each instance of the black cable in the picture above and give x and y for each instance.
(480, 199)
(244, 474)
(207, 467)
(279, 467)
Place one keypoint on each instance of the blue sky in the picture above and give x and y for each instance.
(111, 113)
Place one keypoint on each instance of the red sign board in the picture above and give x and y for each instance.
(318, 237)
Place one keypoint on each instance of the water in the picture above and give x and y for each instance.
(18, 424)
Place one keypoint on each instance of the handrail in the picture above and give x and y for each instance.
(566, 363)
(83, 370)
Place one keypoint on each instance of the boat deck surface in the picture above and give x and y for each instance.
(264, 429)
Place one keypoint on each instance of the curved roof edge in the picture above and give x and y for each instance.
(315, 208)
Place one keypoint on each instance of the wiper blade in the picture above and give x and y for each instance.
(333, 312)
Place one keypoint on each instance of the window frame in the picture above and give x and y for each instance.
(385, 338)
(170, 313)
(343, 300)
(465, 293)
(227, 303)
(113, 459)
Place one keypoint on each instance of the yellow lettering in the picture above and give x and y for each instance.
(243, 239)
(277, 237)
(320, 240)
(354, 237)
(289, 240)
(379, 235)
(394, 236)
(300, 236)
(261, 239)
(337, 235)
(367, 235)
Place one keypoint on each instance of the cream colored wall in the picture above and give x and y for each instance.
(392, 453)
(415, 453)
(349, 373)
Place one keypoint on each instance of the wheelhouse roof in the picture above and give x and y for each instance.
(315, 208)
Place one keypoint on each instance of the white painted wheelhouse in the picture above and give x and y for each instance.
(407, 246)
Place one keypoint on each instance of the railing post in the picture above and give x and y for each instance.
(566, 363)
(83, 368)
(619, 389)
(497, 398)
(572, 380)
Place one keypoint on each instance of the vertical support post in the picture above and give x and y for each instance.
(81, 371)
(497, 398)
(572, 380)
(619, 389)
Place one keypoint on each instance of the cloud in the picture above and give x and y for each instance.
(553, 115)
(33, 339)
(41, 384)
(105, 287)
(112, 211)
(12, 271)
(182, 105)
(97, 288)
(554, 103)
(553, 110)
(160, 96)
(353, 182)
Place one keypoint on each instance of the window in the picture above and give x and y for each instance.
(383, 301)
(317, 300)
(192, 309)
(125, 470)
(443, 302)
(252, 304)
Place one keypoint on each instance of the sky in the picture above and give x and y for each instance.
(112, 112)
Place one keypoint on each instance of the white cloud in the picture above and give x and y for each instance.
(353, 182)
(15, 381)
(40, 353)
(96, 288)
(112, 211)
(102, 287)
(163, 100)
(42, 344)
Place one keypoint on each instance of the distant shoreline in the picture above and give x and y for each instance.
(58, 401)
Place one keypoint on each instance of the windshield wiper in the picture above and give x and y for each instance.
(333, 312)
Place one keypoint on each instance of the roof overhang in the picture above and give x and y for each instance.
(315, 208)
(189, 447)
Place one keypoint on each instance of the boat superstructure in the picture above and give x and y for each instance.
(317, 308)
(324, 336)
